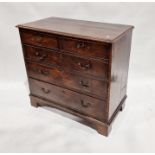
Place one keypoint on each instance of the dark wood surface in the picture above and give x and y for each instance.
(104, 32)
(69, 80)
(78, 47)
(80, 67)
(70, 99)
(100, 126)
(119, 71)
(85, 48)
(35, 38)
(68, 62)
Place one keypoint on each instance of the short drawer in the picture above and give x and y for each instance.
(69, 62)
(39, 39)
(70, 99)
(41, 55)
(86, 48)
(91, 67)
(69, 80)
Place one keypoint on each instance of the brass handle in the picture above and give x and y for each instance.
(40, 57)
(80, 45)
(84, 84)
(85, 104)
(43, 72)
(46, 91)
(84, 66)
(83, 45)
(37, 54)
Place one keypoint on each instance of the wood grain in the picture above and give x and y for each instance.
(78, 66)
(69, 80)
(72, 100)
(104, 32)
(66, 61)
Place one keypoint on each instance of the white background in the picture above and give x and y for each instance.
(27, 129)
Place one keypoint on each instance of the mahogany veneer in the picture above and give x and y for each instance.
(77, 66)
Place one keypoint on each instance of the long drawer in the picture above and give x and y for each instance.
(70, 99)
(72, 81)
(68, 62)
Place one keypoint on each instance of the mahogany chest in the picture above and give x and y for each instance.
(80, 67)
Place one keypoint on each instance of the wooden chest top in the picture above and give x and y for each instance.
(96, 31)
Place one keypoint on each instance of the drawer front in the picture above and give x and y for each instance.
(72, 81)
(86, 66)
(68, 62)
(42, 56)
(70, 99)
(39, 39)
(84, 48)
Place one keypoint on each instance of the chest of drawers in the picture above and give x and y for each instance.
(79, 67)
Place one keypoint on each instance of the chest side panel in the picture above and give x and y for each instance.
(119, 71)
